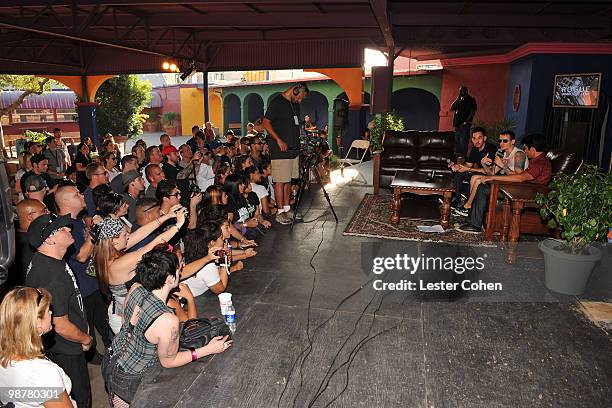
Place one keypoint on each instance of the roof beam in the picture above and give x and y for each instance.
(380, 9)
(498, 20)
(17, 3)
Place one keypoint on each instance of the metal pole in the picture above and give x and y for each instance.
(206, 107)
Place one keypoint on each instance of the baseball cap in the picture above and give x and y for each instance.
(45, 225)
(169, 149)
(130, 176)
(34, 183)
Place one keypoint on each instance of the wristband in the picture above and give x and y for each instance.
(194, 355)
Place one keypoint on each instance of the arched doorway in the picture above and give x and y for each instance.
(231, 113)
(419, 108)
(315, 106)
(254, 107)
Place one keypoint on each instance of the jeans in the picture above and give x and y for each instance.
(460, 185)
(462, 139)
(479, 206)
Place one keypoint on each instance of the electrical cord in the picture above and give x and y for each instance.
(353, 353)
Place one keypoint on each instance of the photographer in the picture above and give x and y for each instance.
(282, 123)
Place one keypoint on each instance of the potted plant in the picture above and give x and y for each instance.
(152, 122)
(169, 120)
(378, 126)
(580, 206)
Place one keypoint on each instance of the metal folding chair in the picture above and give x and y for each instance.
(347, 161)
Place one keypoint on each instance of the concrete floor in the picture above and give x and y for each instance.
(523, 348)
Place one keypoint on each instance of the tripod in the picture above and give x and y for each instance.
(308, 162)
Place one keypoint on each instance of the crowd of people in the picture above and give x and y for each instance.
(123, 244)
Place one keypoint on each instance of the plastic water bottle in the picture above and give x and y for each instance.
(230, 317)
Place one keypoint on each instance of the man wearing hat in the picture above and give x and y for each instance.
(35, 187)
(171, 166)
(133, 185)
(51, 236)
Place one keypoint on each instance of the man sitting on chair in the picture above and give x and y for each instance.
(539, 172)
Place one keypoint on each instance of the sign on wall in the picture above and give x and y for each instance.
(576, 90)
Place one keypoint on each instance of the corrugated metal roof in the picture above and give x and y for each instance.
(48, 100)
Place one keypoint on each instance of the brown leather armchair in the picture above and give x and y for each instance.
(531, 222)
(412, 150)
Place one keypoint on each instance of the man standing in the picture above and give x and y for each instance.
(97, 175)
(128, 163)
(134, 186)
(27, 211)
(57, 134)
(209, 132)
(539, 172)
(171, 167)
(70, 202)
(282, 123)
(472, 165)
(154, 175)
(51, 236)
(465, 109)
(56, 160)
(186, 155)
(40, 165)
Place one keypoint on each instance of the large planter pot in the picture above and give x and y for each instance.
(170, 130)
(567, 273)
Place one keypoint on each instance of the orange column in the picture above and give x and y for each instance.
(349, 79)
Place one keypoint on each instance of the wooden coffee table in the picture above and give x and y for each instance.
(421, 184)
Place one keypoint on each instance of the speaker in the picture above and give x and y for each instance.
(340, 113)
(382, 81)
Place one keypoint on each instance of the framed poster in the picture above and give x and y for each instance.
(576, 90)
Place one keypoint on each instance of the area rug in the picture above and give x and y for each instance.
(373, 219)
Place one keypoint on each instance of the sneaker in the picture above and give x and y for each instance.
(469, 228)
(461, 211)
(298, 217)
(283, 218)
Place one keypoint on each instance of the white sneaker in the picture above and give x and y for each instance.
(283, 218)
(298, 217)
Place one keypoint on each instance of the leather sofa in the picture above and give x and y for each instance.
(412, 150)
(531, 222)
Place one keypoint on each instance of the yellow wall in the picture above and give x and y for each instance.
(215, 105)
(192, 108)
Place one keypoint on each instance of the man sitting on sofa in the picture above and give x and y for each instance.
(463, 172)
(539, 172)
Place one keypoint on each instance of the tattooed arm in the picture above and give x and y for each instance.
(165, 333)
(519, 163)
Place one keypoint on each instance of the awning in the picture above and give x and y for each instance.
(48, 100)
(156, 100)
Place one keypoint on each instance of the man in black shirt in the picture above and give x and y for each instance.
(70, 338)
(464, 172)
(171, 166)
(40, 164)
(282, 123)
(465, 109)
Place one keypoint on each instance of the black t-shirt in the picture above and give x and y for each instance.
(242, 208)
(284, 118)
(23, 256)
(57, 277)
(477, 155)
(170, 171)
(463, 109)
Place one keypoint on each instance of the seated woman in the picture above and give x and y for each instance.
(214, 201)
(253, 200)
(25, 316)
(513, 161)
(149, 337)
(241, 212)
(213, 276)
(265, 168)
(255, 179)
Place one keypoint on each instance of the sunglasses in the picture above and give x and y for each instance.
(151, 207)
(38, 297)
(174, 195)
(503, 140)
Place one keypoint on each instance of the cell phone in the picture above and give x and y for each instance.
(500, 154)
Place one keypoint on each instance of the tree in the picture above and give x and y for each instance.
(28, 85)
(121, 101)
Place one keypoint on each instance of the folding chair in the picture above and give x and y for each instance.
(356, 144)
